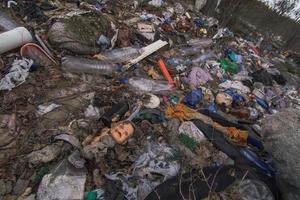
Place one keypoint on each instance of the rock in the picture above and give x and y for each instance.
(10, 197)
(30, 197)
(9, 186)
(281, 133)
(2, 188)
(79, 33)
(20, 186)
(7, 129)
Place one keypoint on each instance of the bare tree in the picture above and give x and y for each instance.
(285, 7)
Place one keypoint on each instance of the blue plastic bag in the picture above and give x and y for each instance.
(193, 98)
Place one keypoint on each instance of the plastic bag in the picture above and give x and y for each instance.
(64, 183)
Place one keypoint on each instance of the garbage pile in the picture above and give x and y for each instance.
(142, 100)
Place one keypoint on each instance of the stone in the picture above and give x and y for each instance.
(2, 188)
(20, 186)
(281, 133)
(79, 33)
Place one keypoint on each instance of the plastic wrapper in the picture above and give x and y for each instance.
(65, 182)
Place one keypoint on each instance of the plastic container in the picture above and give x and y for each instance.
(14, 38)
(148, 85)
(6, 23)
(83, 65)
(164, 70)
(36, 53)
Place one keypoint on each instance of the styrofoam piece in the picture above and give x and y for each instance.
(151, 48)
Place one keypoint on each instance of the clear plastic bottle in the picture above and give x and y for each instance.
(203, 57)
(148, 85)
(121, 55)
(178, 61)
(189, 51)
(204, 43)
(83, 65)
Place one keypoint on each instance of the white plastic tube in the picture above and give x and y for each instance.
(15, 38)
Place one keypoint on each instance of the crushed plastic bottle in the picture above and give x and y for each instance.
(148, 85)
(121, 55)
(83, 65)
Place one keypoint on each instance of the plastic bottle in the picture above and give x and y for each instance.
(6, 23)
(148, 85)
(178, 61)
(203, 43)
(83, 65)
(203, 57)
(189, 51)
(14, 38)
(121, 55)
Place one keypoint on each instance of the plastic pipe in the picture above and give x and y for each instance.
(165, 71)
(15, 38)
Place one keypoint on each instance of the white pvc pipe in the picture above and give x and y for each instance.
(15, 38)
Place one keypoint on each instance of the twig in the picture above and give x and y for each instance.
(180, 186)
(243, 178)
(212, 183)
(192, 186)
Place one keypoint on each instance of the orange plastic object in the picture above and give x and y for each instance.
(165, 71)
(121, 131)
(237, 135)
(35, 52)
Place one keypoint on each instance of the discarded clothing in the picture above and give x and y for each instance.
(199, 76)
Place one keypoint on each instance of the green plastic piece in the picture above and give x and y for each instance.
(229, 66)
(91, 196)
(188, 142)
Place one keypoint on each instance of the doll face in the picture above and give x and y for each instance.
(122, 131)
